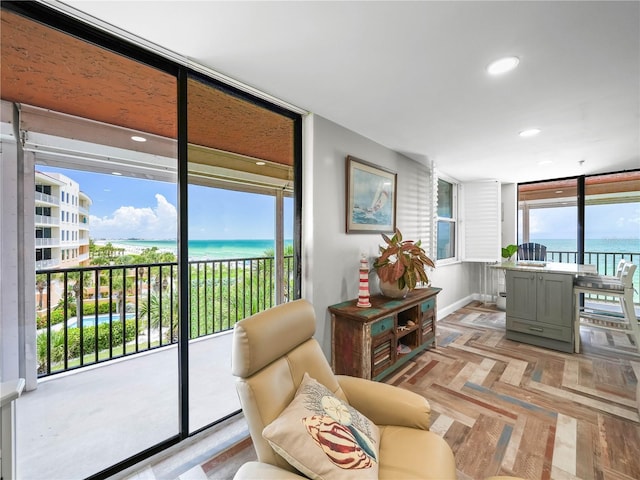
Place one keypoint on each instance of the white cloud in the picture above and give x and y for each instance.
(158, 223)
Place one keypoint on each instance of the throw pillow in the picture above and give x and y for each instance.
(324, 437)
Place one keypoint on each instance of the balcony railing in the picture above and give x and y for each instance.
(46, 220)
(605, 262)
(134, 308)
(128, 309)
(47, 242)
(45, 198)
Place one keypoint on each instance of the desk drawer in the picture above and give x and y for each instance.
(555, 332)
(382, 326)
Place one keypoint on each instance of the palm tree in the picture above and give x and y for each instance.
(162, 314)
(40, 285)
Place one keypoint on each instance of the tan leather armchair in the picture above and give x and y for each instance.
(271, 352)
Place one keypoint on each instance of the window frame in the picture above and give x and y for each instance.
(454, 219)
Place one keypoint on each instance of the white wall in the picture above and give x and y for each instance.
(509, 214)
(18, 356)
(331, 256)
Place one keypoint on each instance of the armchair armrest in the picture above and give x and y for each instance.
(385, 404)
(264, 471)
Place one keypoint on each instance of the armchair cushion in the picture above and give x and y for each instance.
(324, 437)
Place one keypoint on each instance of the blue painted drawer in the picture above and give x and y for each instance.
(428, 305)
(382, 326)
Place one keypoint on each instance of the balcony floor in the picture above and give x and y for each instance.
(76, 424)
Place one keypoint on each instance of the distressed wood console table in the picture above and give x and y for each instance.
(373, 342)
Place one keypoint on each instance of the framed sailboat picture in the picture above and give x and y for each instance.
(371, 197)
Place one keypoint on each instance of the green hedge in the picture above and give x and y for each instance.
(89, 308)
(88, 340)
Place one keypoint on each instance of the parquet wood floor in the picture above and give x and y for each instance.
(514, 409)
(507, 407)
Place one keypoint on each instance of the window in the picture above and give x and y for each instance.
(447, 220)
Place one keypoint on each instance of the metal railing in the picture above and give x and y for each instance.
(606, 264)
(94, 314)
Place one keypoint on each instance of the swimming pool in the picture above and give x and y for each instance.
(90, 320)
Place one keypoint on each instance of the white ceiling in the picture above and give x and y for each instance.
(411, 75)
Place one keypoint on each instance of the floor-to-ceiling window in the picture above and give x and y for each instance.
(101, 130)
(593, 219)
(548, 214)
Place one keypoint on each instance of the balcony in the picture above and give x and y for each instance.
(118, 409)
(44, 264)
(47, 242)
(111, 386)
(46, 220)
(44, 199)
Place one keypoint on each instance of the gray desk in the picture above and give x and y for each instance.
(540, 304)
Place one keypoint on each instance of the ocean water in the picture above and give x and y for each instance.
(613, 245)
(616, 248)
(207, 249)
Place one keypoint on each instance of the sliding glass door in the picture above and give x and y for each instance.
(240, 175)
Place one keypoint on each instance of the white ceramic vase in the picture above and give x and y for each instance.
(391, 289)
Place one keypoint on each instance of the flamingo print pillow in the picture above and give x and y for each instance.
(324, 437)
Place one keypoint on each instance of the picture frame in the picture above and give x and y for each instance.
(370, 197)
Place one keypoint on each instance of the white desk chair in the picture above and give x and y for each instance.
(619, 286)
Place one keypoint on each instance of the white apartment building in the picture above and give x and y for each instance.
(61, 222)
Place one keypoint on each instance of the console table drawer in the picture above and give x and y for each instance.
(428, 305)
(555, 332)
(382, 326)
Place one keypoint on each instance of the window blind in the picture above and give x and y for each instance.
(480, 221)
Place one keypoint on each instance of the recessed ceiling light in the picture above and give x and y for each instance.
(137, 138)
(117, 174)
(260, 163)
(529, 132)
(545, 162)
(503, 65)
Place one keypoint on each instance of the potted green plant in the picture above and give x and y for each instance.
(401, 265)
(501, 300)
(508, 251)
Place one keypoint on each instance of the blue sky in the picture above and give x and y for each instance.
(125, 207)
(620, 221)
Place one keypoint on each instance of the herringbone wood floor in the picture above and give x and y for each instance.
(515, 409)
(509, 408)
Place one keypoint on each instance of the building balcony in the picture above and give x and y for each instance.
(42, 199)
(47, 242)
(42, 220)
(45, 264)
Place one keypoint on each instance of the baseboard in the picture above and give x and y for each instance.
(444, 311)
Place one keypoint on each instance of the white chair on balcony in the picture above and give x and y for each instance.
(619, 286)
